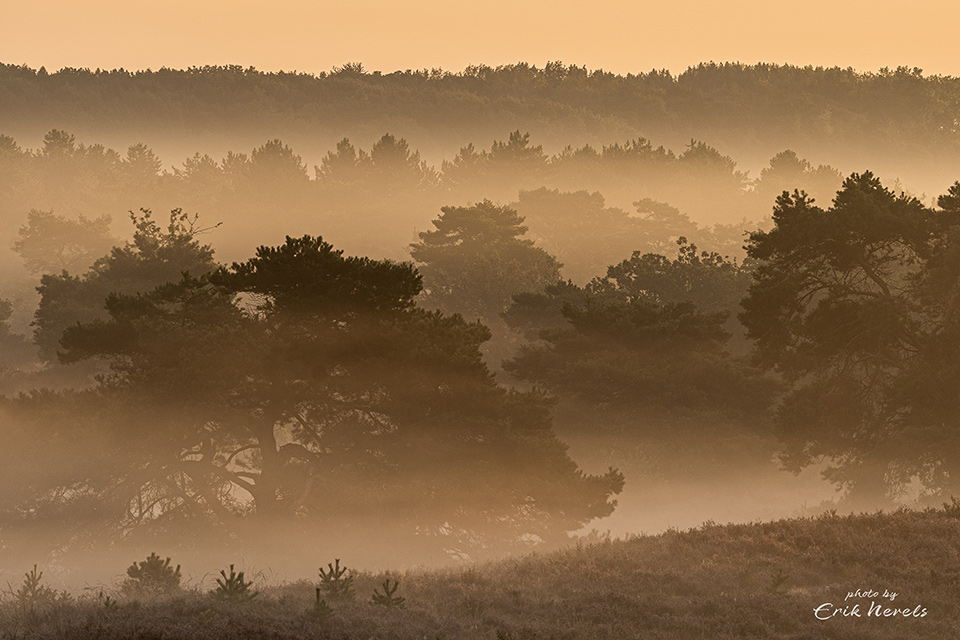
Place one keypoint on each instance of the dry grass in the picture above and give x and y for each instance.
(737, 581)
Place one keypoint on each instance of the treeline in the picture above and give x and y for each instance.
(632, 195)
(741, 107)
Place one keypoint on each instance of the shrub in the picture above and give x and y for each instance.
(32, 594)
(234, 588)
(321, 610)
(387, 598)
(153, 575)
(335, 583)
(778, 582)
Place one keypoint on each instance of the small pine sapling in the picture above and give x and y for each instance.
(234, 588)
(31, 593)
(108, 603)
(777, 581)
(153, 575)
(321, 610)
(387, 598)
(335, 583)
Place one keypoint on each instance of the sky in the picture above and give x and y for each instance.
(621, 36)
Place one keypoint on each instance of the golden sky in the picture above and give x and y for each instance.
(620, 36)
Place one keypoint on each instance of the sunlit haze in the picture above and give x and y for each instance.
(546, 318)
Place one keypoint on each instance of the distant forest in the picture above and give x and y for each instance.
(891, 121)
(590, 207)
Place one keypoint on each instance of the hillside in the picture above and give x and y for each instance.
(761, 580)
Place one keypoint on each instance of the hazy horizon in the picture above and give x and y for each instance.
(618, 37)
